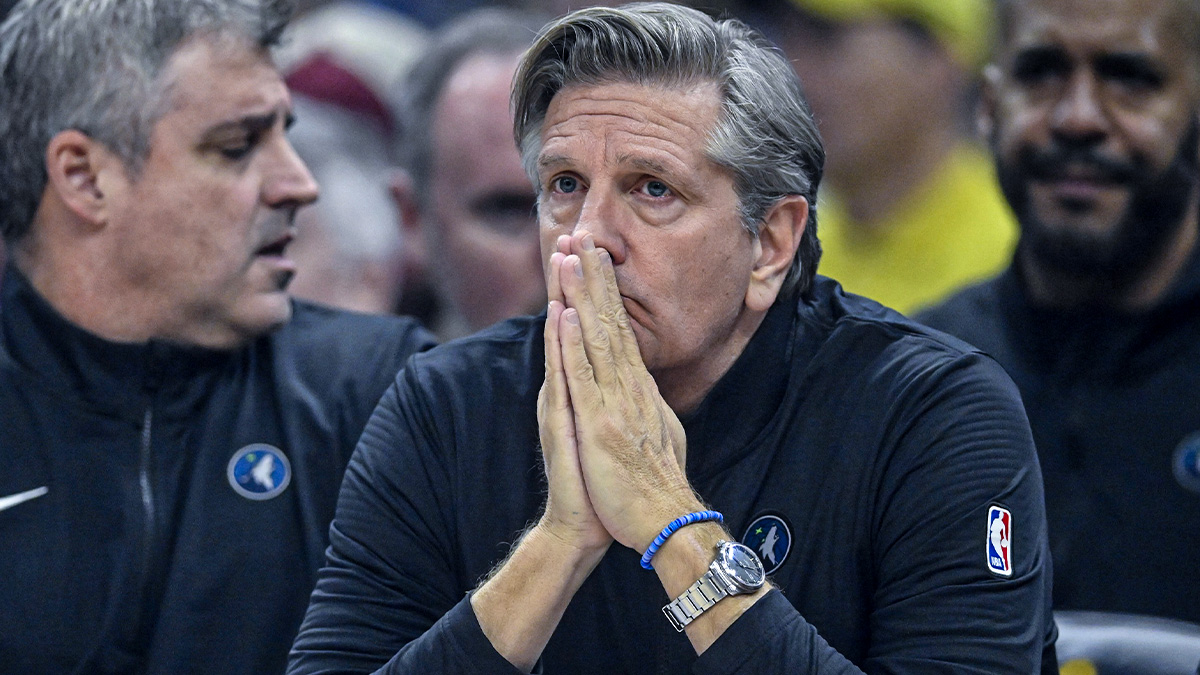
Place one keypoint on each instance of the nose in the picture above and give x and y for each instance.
(1079, 116)
(289, 183)
(602, 214)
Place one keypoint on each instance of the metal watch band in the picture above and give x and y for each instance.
(695, 600)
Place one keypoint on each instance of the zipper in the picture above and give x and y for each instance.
(144, 481)
(140, 625)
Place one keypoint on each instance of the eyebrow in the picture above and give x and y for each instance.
(251, 124)
(551, 161)
(1107, 63)
(1039, 56)
(1130, 64)
(647, 165)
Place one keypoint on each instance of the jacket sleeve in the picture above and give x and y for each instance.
(960, 445)
(388, 599)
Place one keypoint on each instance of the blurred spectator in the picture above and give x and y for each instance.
(466, 204)
(431, 13)
(375, 43)
(912, 210)
(348, 246)
(1094, 112)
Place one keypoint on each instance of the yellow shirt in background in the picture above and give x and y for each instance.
(953, 230)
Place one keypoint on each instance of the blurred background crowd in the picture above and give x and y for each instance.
(425, 210)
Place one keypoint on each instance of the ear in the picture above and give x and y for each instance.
(774, 248)
(985, 111)
(74, 163)
(415, 250)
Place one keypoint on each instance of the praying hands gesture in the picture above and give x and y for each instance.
(614, 450)
(614, 455)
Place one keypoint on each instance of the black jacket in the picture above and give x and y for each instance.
(878, 448)
(124, 547)
(1114, 402)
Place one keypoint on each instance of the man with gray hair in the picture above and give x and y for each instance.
(696, 395)
(173, 427)
(466, 207)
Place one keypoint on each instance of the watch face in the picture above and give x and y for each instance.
(742, 565)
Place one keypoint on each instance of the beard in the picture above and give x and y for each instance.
(1155, 212)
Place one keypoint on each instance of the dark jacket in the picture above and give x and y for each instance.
(1114, 402)
(124, 546)
(877, 446)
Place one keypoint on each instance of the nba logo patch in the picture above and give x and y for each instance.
(770, 536)
(999, 541)
(259, 472)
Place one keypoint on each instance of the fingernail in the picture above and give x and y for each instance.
(571, 315)
(588, 242)
(604, 256)
(578, 268)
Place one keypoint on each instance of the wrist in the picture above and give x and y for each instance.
(686, 564)
(686, 555)
(662, 514)
(521, 603)
(567, 543)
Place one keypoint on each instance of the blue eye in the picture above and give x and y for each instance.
(565, 184)
(656, 188)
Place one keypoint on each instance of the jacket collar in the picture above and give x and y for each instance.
(1103, 341)
(744, 401)
(111, 376)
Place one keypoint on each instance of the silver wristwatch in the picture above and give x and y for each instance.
(736, 571)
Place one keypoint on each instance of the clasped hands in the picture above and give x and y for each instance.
(614, 451)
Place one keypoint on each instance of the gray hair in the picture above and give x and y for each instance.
(95, 66)
(766, 136)
(487, 31)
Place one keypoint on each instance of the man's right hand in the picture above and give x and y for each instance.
(520, 605)
(569, 514)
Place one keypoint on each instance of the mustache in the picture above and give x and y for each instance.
(277, 229)
(1058, 162)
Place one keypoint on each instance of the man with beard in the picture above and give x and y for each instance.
(1091, 108)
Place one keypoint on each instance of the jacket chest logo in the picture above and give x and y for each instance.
(259, 472)
(770, 536)
(1186, 463)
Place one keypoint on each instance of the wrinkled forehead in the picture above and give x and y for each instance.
(686, 113)
(208, 68)
(1151, 27)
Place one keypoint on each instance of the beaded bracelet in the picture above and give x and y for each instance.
(685, 519)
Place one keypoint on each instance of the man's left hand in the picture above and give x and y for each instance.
(632, 447)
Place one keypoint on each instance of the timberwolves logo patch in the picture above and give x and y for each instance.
(770, 537)
(259, 471)
(1187, 463)
(999, 541)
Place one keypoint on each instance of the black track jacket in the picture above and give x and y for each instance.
(124, 547)
(1114, 402)
(873, 448)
